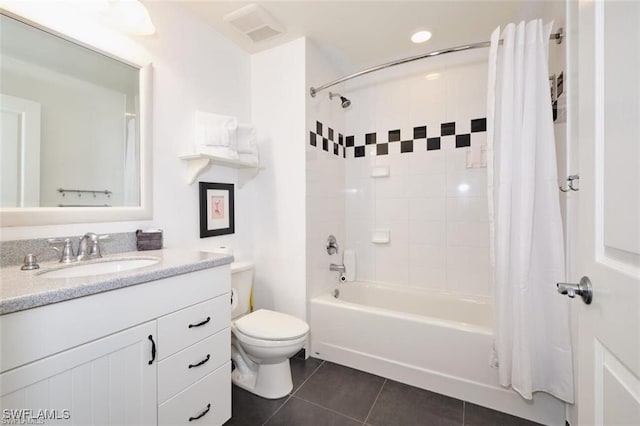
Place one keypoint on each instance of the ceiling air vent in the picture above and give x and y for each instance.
(254, 22)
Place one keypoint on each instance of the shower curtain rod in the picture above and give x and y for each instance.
(558, 36)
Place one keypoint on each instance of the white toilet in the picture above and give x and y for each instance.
(262, 341)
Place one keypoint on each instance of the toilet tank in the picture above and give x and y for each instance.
(241, 286)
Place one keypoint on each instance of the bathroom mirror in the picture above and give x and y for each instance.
(75, 128)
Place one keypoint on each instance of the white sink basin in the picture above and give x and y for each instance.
(99, 267)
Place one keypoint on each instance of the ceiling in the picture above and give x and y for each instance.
(359, 34)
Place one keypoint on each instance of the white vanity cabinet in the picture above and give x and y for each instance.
(108, 381)
(152, 353)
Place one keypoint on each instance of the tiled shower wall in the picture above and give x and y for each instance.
(420, 120)
(325, 179)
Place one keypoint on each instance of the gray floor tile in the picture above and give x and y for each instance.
(475, 415)
(342, 389)
(248, 409)
(297, 412)
(301, 369)
(403, 405)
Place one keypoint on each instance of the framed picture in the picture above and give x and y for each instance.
(216, 209)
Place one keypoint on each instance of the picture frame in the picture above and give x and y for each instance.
(217, 210)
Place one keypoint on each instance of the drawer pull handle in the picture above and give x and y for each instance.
(201, 414)
(201, 362)
(153, 350)
(200, 323)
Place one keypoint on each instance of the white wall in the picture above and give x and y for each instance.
(194, 68)
(278, 97)
(325, 174)
(434, 207)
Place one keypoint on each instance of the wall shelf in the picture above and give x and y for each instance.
(198, 162)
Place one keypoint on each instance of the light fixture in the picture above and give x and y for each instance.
(432, 76)
(420, 36)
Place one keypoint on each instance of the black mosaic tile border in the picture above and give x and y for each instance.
(434, 142)
(325, 138)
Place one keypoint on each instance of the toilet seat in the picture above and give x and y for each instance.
(264, 324)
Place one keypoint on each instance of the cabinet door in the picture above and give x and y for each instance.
(107, 381)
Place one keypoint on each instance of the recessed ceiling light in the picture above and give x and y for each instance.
(421, 36)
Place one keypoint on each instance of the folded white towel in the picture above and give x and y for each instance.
(213, 130)
(247, 140)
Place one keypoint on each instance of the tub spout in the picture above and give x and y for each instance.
(337, 268)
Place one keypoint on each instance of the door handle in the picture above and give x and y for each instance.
(584, 289)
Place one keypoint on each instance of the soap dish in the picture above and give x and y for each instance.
(381, 236)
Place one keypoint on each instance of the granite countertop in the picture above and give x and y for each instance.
(21, 290)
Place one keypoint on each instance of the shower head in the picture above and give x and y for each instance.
(346, 103)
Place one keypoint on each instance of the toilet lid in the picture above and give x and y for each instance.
(270, 325)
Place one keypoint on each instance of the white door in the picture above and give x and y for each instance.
(19, 152)
(608, 213)
(105, 382)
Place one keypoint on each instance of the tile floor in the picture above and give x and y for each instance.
(327, 394)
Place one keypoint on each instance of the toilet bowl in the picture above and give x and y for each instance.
(262, 341)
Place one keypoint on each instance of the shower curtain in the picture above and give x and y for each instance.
(532, 348)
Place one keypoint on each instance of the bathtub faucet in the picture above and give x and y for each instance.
(337, 268)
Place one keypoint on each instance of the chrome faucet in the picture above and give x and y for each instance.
(66, 253)
(337, 268)
(89, 246)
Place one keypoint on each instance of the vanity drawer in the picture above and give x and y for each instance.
(174, 373)
(183, 328)
(211, 396)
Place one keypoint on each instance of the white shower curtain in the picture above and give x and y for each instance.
(532, 346)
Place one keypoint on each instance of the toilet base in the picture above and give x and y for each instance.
(271, 381)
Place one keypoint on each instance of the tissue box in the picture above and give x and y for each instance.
(149, 240)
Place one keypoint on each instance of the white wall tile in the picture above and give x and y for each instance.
(431, 185)
(392, 186)
(468, 270)
(427, 209)
(390, 210)
(427, 162)
(428, 278)
(419, 146)
(467, 209)
(471, 234)
(456, 160)
(429, 256)
(467, 183)
(365, 260)
(428, 233)
(394, 148)
(392, 263)
(448, 143)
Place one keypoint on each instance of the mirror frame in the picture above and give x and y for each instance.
(38, 216)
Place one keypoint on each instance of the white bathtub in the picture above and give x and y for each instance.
(435, 341)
